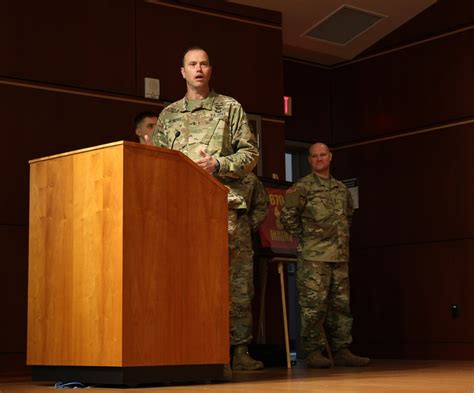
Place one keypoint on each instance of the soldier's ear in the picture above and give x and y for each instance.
(182, 72)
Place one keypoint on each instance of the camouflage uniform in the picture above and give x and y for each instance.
(241, 265)
(319, 212)
(218, 125)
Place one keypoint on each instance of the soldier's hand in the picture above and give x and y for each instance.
(207, 162)
(145, 139)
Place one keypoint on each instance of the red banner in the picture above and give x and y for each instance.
(272, 234)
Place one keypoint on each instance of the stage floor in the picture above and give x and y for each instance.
(383, 376)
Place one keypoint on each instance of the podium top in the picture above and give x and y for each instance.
(134, 145)
(98, 147)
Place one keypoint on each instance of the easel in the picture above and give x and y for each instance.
(261, 319)
(270, 255)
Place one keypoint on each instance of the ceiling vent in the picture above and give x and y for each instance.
(344, 25)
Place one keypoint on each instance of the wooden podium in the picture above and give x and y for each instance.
(128, 267)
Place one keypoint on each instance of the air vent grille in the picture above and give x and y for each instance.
(344, 24)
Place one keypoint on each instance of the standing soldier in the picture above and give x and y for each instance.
(318, 209)
(212, 130)
(241, 271)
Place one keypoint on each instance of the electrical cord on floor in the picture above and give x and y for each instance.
(69, 385)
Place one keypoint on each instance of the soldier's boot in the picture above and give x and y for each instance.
(317, 360)
(227, 373)
(346, 358)
(242, 360)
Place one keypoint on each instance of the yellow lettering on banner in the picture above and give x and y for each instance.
(276, 199)
(280, 236)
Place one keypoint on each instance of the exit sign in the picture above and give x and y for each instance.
(287, 105)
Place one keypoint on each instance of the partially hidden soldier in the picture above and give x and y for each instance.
(318, 210)
(212, 130)
(241, 271)
(145, 123)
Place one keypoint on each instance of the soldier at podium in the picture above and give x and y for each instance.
(212, 130)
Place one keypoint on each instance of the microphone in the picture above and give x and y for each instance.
(178, 133)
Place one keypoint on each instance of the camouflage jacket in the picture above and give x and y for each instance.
(319, 213)
(256, 199)
(218, 125)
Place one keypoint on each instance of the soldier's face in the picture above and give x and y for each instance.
(146, 126)
(196, 69)
(319, 158)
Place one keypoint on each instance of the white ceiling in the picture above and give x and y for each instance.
(301, 15)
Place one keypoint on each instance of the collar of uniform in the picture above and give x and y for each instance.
(206, 103)
(320, 183)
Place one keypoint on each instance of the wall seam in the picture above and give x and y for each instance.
(406, 134)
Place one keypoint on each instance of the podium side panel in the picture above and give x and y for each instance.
(50, 262)
(175, 263)
(75, 291)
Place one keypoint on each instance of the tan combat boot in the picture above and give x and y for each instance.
(242, 360)
(316, 360)
(346, 358)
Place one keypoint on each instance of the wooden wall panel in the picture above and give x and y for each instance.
(230, 9)
(13, 287)
(413, 189)
(415, 87)
(402, 298)
(273, 148)
(37, 123)
(443, 16)
(89, 44)
(13, 365)
(412, 237)
(246, 57)
(413, 247)
(310, 89)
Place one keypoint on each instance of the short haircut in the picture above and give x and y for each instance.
(142, 115)
(194, 47)
(319, 143)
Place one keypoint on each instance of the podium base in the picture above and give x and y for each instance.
(132, 376)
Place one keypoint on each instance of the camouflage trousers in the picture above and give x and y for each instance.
(240, 279)
(324, 303)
